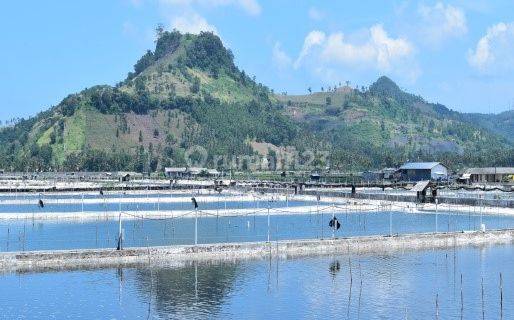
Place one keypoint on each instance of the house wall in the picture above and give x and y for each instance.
(436, 169)
(416, 174)
(487, 177)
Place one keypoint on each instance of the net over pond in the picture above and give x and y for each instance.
(24, 235)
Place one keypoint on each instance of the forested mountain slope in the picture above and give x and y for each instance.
(188, 92)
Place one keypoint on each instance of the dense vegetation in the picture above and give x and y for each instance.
(383, 126)
(188, 92)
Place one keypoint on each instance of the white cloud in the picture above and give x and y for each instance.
(183, 14)
(315, 14)
(251, 7)
(377, 51)
(192, 22)
(280, 59)
(380, 51)
(493, 52)
(441, 22)
(314, 38)
(368, 51)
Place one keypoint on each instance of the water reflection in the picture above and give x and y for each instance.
(188, 291)
(394, 286)
(334, 268)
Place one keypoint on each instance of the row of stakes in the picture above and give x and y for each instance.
(334, 224)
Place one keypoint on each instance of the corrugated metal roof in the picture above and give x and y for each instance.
(168, 169)
(419, 165)
(420, 186)
(491, 170)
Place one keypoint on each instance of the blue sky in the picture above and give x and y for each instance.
(459, 53)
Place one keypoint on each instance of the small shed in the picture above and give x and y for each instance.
(124, 176)
(421, 188)
(315, 176)
(176, 172)
(186, 173)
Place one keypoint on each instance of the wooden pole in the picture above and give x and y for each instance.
(436, 214)
(334, 224)
(351, 285)
(437, 306)
(501, 296)
(360, 293)
(461, 299)
(390, 223)
(120, 235)
(196, 226)
(268, 223)
(483, 311)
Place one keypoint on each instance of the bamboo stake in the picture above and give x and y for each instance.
(360, 293)
(483, 311)
(437, 306)
(461, 299)
(501, 296)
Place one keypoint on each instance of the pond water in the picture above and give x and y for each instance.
(152, 205)
(23, 235)
(393, 286)
(107, 195)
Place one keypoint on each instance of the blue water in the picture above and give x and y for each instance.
(40, 234)
(232, 203)
(392, 286)
(107, 195)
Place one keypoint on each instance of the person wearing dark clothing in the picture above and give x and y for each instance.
(334, 223)
(194, 202)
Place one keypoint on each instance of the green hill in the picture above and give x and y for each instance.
(502, 123)
(188, 92)
(383, 125)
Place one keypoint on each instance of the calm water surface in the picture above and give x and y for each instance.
(398, 286)
(38, 235)
(153, 205)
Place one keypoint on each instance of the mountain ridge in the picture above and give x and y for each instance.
(188, 92)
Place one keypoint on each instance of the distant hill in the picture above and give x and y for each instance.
(502, 123)
(188, 92)
(383, 125)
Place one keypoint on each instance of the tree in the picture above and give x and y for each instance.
(140, 85)
(144, 62)
(159, 30)
(195, 87)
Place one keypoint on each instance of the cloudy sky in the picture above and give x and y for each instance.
(459, 53)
